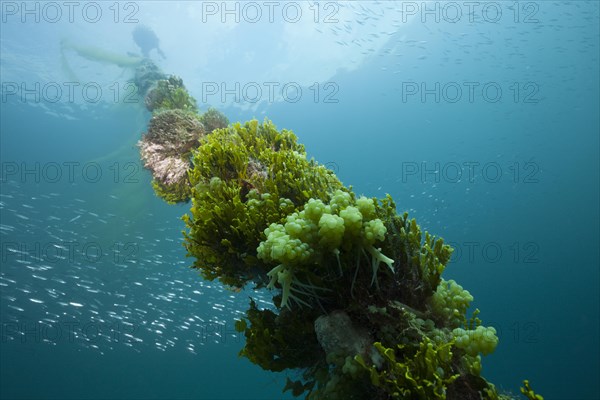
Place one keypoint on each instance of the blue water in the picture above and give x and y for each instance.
(96, 297)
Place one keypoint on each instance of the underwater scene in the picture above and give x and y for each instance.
(299, 199)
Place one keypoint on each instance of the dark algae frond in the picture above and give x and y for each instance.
(360, 304)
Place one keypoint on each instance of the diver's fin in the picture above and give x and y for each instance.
(100, 55)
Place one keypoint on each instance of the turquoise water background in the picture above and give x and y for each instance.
(96, 297)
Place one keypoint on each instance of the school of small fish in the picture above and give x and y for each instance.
(62, 280)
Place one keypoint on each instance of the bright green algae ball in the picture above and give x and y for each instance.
(303, 245)
(450, 301)
(480, 340)
(331, 231)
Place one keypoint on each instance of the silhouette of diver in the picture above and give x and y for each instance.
(143, 36)
(147, 40)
